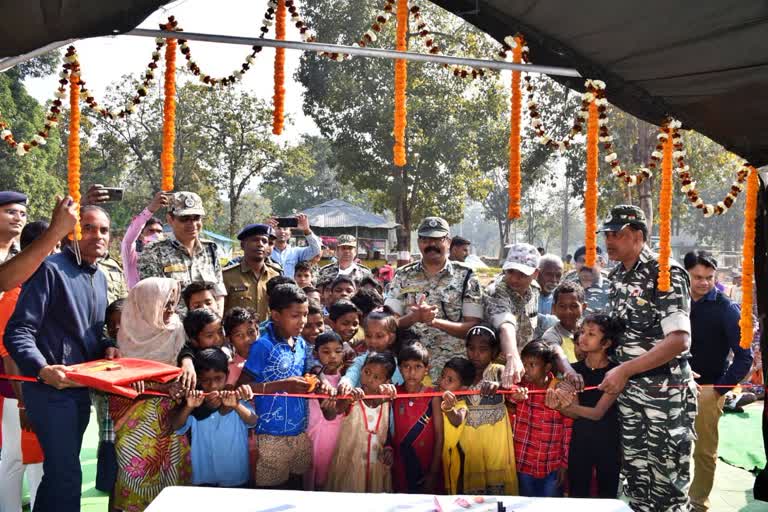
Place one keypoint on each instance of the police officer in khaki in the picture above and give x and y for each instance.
(246, 282)
(184, 256)
(438, 298)
(346, 252)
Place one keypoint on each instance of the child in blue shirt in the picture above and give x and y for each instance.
(220, 441)
(277, 364)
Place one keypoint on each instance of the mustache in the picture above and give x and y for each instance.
(432, 249)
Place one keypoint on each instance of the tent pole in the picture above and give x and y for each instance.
(354, 50)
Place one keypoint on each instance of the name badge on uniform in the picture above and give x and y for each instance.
(178, 267)
(241, 288)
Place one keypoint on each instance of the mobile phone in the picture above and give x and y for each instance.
(287, 222)
(114, 194)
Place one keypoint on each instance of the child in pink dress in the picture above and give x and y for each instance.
(324, 433)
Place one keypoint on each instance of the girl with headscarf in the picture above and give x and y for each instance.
(150, 456)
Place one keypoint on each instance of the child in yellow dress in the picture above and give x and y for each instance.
(489, 464)
(458, 374)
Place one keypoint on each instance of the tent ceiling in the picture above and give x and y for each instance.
(705, 63)
(341, 214)
(26, 25)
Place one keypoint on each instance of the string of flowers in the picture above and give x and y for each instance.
(688, 186)
(427, 39)
(51, 120)
(73, 142)
(236, 75)
(142, 90)
(748, 259)
(590, 195)
(401, 80)
(595, 91)
(278, 118)
(167, 157)
(665, 214)
(514, 138)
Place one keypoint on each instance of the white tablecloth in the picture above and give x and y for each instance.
(207, 499)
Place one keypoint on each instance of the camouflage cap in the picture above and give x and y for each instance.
(434, 227)
(623, 215)
(186, 203)
(346, 240)
(522, 257)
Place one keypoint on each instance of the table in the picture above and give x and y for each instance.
(208, 499)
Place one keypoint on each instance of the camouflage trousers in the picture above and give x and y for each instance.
(657, 414)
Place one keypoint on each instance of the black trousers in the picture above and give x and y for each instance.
(604, 456)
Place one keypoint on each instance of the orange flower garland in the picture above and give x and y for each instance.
(167, 157)
(748, 259)
(401, 80)
(514, 135)
(665, 214)
(590, 196)
(73, 142)
(278, 117)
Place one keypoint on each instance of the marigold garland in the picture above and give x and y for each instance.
(401, 81)
(278, 119)
(665, 214)
(514, 135)
(73, 142)
(748, 259)
(167, 158)
(590, 195)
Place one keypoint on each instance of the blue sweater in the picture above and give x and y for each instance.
(59, 318)
(715, 332)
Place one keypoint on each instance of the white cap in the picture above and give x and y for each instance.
(522, 257)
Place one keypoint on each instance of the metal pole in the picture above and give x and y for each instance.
(353, 50)
(9, 62)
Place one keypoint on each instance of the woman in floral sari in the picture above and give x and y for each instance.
(150, 456)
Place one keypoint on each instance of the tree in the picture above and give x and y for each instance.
(222, 145)
(32, 174)
(557, 109)
(352, 104)
(309, 177)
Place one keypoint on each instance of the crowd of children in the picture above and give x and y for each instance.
(375, 426)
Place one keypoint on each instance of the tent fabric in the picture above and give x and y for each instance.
(341, 214)
(704, 63)
(26, 25)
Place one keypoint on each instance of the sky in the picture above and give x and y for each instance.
(105, 59)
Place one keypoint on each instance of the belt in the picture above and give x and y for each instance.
(663, 370)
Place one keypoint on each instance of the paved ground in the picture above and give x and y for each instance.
(733, 490)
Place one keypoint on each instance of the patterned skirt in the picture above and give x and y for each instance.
(150, 456)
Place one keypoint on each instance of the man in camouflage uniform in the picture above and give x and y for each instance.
(657, 406)
(437, 298)
(346, 252)
(116, 287)
(246, 282)
(184, 256)
(511, 304)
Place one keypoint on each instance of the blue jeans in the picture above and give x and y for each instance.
(59, 419)
(539, 487)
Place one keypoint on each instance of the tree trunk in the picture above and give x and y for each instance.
(403, 218)
(564, 234)
(645, 144)
(502, 237)
(233, 204)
